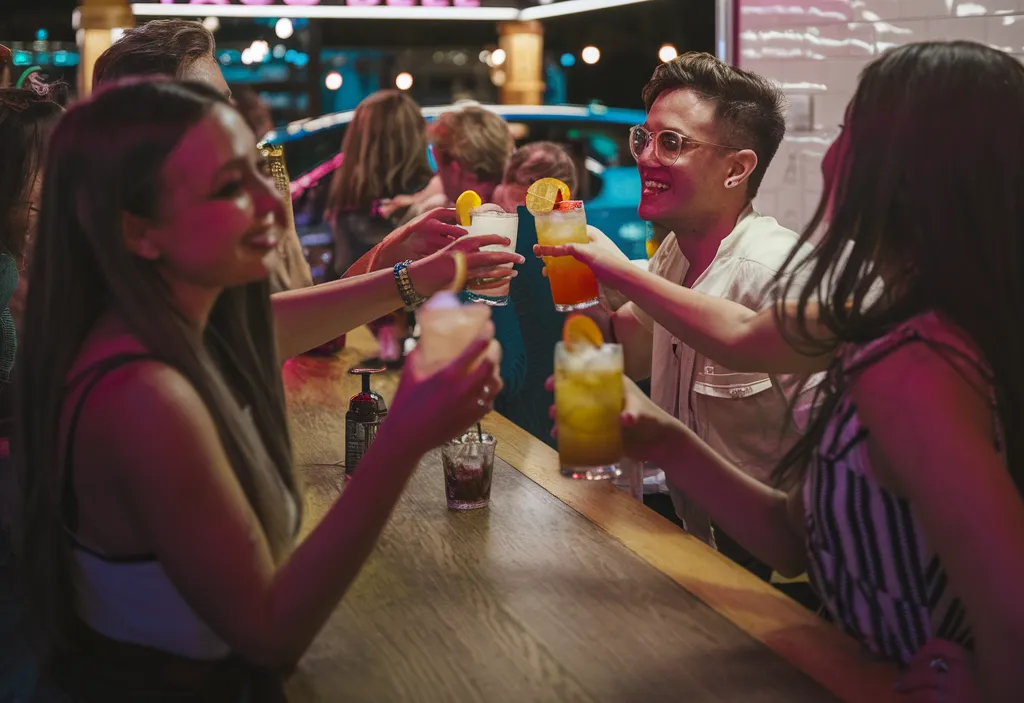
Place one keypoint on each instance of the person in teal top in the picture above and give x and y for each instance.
(529, 326)
(527, 329)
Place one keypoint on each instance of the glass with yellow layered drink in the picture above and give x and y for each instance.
(560, 220)
(588, 400)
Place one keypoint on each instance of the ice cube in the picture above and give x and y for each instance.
(485, 208)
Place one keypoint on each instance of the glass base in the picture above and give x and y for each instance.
(468, 504)
(591, 473)
(493, 301)
(576, 306)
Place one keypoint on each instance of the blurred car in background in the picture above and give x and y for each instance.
(595, 135)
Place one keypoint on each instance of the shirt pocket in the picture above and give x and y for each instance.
(743, 416)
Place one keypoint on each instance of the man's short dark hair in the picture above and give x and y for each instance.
(157, 48)
(748, 108)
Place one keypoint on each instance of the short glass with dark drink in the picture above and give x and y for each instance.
(468, 466)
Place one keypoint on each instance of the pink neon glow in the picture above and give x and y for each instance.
(306, 181)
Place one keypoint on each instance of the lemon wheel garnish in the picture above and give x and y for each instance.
(459, 279)
(465, 205)
(544, 194)
(580, 329)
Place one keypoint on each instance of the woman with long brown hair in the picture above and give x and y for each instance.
(904, 501)
(26, 118)
(385, 155)
(161, 502)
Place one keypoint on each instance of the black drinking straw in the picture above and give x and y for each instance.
(479, 432)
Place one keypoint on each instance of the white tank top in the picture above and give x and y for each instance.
(135, 602)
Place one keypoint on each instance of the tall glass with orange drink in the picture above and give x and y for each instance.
(573, 286)
(588, 401)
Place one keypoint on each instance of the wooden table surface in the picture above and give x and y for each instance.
(561, 590)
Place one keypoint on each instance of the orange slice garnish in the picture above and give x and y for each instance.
(461, 272)
(465, 205)
(544, 194)
(580, 329)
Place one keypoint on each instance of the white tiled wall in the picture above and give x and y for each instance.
(815, 50)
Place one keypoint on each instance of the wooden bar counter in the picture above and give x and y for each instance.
(560, 591)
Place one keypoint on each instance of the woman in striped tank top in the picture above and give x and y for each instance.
(903, 501)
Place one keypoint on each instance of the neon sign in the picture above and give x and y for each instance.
(349, 3)
(490, 10)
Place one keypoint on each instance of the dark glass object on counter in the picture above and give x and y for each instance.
(366, 410)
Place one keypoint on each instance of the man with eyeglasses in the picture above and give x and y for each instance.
(711, 132)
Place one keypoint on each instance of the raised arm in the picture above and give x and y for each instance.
(765, 521)
(309, 317)
(420, 237)
(719, 329)
(932, 433)
(187, 504)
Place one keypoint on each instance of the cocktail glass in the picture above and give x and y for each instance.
(491, 219)
(589, 400)
(468, 462)
(573, 286)
(446, 329)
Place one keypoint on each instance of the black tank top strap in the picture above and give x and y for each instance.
(928, 328)
(88, 379)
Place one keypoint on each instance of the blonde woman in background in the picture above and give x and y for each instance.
(472, 147)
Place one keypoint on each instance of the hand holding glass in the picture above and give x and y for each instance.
(589, 400)
(573, 285)
(492, 220)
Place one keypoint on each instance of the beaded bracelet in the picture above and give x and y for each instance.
(410, 297)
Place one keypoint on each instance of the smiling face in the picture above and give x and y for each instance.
(695, 186)
(219, 215)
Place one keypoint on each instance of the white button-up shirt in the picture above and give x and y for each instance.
(743, 416)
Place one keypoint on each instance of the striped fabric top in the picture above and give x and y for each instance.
(869, 558)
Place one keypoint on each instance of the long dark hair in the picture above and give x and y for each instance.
(26, 118)
(385, 150)
(105, 160)
(928, 197)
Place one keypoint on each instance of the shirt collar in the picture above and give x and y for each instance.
(727, 245)
(747, 216)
